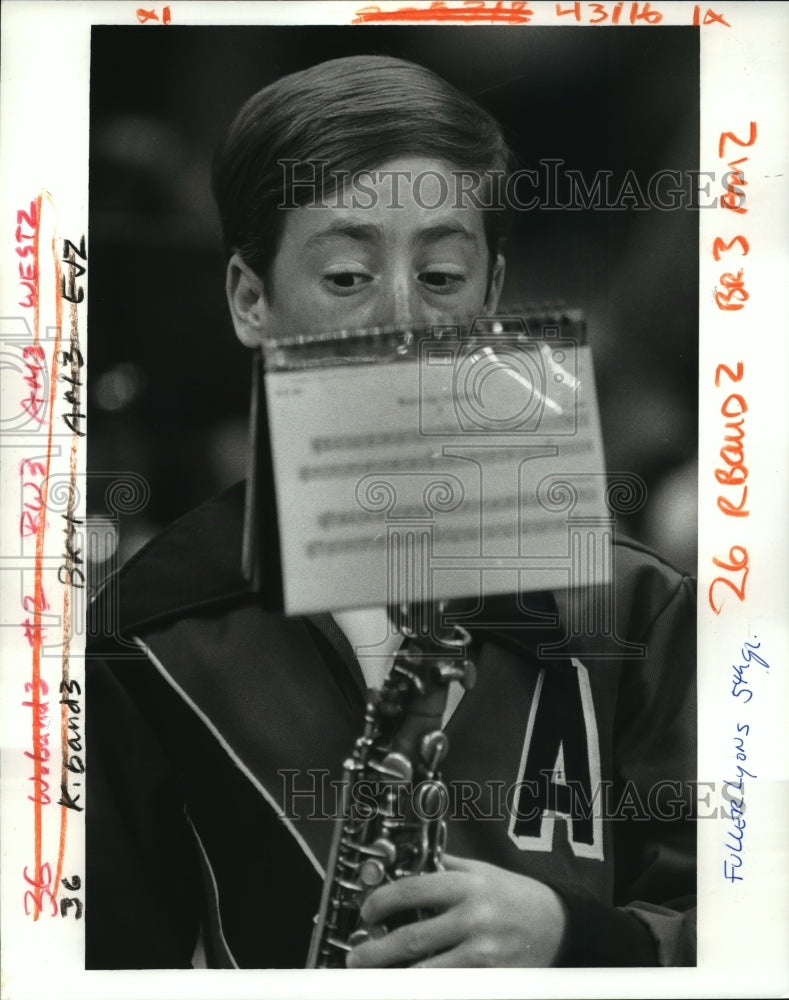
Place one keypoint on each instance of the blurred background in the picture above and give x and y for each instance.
(169, 384)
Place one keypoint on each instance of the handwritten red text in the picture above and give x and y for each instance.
(468, 12)
(615, 13)
(27, 249)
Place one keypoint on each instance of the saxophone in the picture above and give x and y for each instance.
(395, 762)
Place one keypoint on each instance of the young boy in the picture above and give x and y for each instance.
(212, 722)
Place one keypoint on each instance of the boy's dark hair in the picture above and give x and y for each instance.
(350, 115)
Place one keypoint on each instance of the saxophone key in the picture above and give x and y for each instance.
(451, 670)
(350, 886)
(433, 747)
(362, 934)
(338, 943)
(431, 799)
(372, 872)
(395, 766)
(383, 848)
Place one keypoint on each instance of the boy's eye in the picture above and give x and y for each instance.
(344, 282)
(441, 281)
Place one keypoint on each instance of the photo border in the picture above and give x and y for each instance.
(742, 925)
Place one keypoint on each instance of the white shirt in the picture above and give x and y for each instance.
(375, 644)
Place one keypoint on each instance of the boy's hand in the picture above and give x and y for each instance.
(484, 916)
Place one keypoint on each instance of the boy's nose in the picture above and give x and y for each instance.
(400, 302)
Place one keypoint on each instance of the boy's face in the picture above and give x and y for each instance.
(348, 265)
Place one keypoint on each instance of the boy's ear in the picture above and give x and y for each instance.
(247, 302)
(496, 285)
